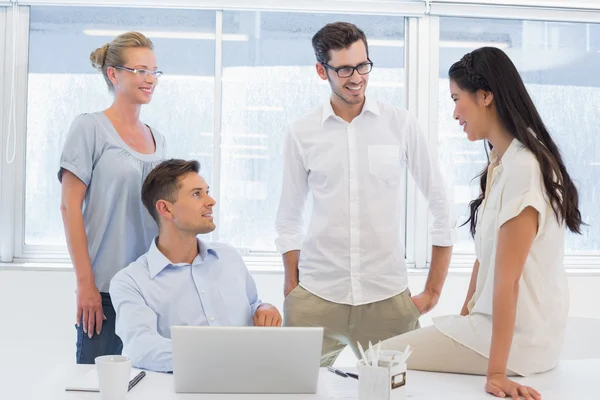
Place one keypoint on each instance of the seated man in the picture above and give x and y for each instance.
(181, 280)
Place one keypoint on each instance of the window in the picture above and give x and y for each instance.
(559, 64)
(269, 80)
(234, 81)
(63, 84)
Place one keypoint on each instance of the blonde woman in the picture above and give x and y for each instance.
(105, 159)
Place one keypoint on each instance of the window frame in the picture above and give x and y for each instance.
(12, 175)
(526, 11)
(387, 7)
(5, 247)
(551, 4)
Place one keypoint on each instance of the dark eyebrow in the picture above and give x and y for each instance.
(351, 66)
(197, 189)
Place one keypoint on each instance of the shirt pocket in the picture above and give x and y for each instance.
(384, 163)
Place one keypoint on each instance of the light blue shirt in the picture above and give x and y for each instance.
(117, 225)
(152, 294)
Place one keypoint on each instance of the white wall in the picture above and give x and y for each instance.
(37, 314)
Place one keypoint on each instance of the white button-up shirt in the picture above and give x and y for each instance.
(543, 302)
(353, 252)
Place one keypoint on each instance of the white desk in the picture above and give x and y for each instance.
(569, 381)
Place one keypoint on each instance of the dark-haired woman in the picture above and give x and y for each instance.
(515, 312)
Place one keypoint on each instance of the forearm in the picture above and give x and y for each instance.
(78, 245)
(290, 263)
(251, 292)
(438, 270)
(148, 350)
(137, 326)
(504, 311)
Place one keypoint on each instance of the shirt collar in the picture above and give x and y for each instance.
(509, 154)
(157, 261)
(369, 106)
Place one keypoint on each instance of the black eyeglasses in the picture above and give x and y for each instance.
(347, 72)
(141, 72)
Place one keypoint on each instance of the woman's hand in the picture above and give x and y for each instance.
(500, 386)
(89, 309)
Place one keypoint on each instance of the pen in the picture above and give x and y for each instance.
(135, 380)
(352, 375)
(338, 372)
(342, 373)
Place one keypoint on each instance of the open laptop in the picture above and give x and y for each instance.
(246, 359)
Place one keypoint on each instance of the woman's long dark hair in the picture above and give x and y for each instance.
(490, 69)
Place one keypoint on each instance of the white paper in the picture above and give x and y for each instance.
(342, 388)
(89, 381)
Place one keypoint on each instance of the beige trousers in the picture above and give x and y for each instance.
(436, 352)
(345, 325)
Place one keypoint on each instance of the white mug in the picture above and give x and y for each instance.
(113, 376)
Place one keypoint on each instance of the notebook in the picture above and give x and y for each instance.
(89, 381)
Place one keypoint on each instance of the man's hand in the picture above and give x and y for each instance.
(425, 301)
(89, 309)
(500, 386)
(267, 315)
(288, 287)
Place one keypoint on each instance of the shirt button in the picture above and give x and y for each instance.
(202, 292)
(212, 318)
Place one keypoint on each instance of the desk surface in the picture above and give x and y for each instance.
(570, 380)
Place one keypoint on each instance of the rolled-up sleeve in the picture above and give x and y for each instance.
(289, 222)
(80, 150)
(524, 189)
(428, 177)
(136, 325)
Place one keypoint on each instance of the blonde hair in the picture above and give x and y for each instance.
(112, 54)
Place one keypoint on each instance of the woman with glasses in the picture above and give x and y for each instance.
(105, 159)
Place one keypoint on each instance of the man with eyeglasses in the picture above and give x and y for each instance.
(348, 273)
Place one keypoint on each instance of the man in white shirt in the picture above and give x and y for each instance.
(349, 273)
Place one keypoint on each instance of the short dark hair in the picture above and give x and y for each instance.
(162, 183)
(336, 36)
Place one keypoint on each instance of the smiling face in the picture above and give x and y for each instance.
(470, 110)
(351, 90)
(193, 210)
(132, 87)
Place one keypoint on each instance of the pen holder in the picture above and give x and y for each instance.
(381, 383)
